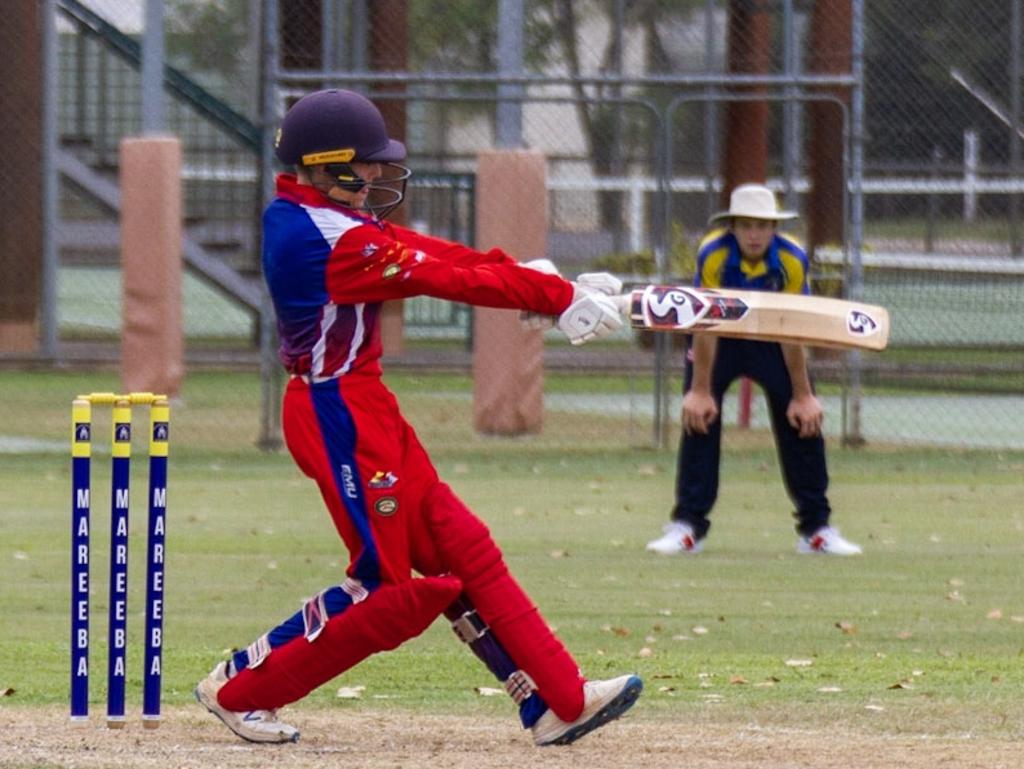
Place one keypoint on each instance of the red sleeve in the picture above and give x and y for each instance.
(449, 251)
(373, 265)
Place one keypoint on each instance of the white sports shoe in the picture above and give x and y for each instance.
(251, 725)
(828, 541)
(678, 538)
(603, 701)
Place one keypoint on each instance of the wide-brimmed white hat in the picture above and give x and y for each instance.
(753, 201)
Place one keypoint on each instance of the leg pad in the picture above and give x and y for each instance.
(389, 616)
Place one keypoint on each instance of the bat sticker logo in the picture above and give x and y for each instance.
(672, 307)
(859, 323)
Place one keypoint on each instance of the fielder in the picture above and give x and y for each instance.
(749, 253)
(330, 260)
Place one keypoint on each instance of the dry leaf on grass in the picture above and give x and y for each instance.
(848, 628)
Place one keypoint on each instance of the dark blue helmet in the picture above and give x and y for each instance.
(335, 126)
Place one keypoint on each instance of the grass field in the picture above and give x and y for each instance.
(922, 636)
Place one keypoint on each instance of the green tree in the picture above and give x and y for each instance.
(457, 35)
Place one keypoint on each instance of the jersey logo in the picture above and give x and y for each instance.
(383, 480)
(348, 482)
(386, 506)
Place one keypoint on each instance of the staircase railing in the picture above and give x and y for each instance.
(178, 83)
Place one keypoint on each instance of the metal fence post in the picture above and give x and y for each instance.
(270, 370)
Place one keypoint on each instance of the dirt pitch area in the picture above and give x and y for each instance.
(188, 738)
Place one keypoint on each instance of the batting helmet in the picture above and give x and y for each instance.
(335, 126)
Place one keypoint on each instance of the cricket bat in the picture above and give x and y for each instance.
(816, 321)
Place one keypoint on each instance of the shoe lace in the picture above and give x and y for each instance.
(261, 716)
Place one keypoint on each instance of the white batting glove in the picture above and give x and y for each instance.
(590, 316)
(603, 282)
(534, 320)
(541, 265)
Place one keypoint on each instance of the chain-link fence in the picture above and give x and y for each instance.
(893, 127)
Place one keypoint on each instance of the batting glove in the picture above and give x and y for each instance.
(534, 320)
(541, 265)
(602, 282)
(591, 315)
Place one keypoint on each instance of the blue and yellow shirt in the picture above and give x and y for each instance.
(720, 265)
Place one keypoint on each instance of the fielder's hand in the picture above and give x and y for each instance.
(590, 316)
(534, 320)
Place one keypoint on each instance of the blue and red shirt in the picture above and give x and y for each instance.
(329, 268)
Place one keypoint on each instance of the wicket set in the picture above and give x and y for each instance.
(117, 637)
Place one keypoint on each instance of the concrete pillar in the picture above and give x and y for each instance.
(152, 343)
(508, 360)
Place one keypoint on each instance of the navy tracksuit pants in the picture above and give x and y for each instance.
(804, 470)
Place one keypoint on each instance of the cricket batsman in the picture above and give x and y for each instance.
(416, 551)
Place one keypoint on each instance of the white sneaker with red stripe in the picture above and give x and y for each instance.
(678, 538)
(827, 541)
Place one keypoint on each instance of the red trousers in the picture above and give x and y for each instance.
(396, 518)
